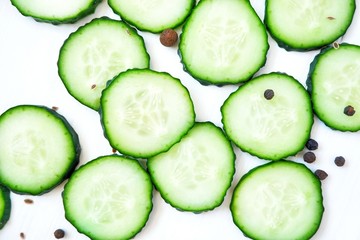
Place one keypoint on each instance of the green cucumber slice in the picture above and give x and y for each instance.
(195, 173)
(334, 84)
(108, 198)
(39, 149)
(308, 24)
(56, 11)
(269, 128)
(279, 200)
(223, 42)
(153, 15)
(5, 206)
(144, 112)
(97, 52)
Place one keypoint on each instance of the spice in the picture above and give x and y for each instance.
(336, 45)
(168, 37)
(309, 157)
(59, 233)
(311, 144)
(113, 150)
(55, 108)
(268, 94)
(93, 86)
(28, 201)
(22, 235)
(330, 18)
(349, 110)
(321, 174)
(339, 161)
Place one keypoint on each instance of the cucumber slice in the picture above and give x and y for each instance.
(334, 84)
(97, 52)
(269, 127)
(56, 11)
(108, 198)
(223, 42)
(39, 149)
(279, 200)
(195, 173)
(5, 206)
(308, 24)
(144, 112)
(153, 15)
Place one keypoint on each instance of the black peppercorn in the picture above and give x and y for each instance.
(311, 144)
(268, 94)
(349, 110)
(309, 157)
(321, 174)
(339, 161)
(59, 233)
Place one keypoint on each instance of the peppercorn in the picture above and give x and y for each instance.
(321, 174)
(269, 94)
(22, 235)
(168, 37)
(339, 161)
(59, 233)
(349, 110)
(309, 157)
(311, 144)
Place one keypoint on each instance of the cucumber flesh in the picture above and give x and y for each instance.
(195, 173)
(223, 42)
(153, 15)
(108, 198)
(56, 11)
(269, 129)
(279, 200)
(5, 206)
(97, 52)
(334, 83)
(39, 149)
(308, 24)
(144, 112)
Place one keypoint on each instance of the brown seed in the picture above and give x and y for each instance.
(28, 201)
(349, 110)
(309, 157)
(268, 94)
(339, 161)
(22, 235)
(59, 233)
(113, 150)
(330, 18)
(93, 86)
(55, 108)
(168, 37)
(336, 45)
(321, 174)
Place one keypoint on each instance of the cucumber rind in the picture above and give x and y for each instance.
(165, 187)
(87, 228)
(143, 26)
(88, 95)
(118, 142)
(312, 225)
(6, 200)
(331, 120)
(66, 172)
(295, 45)
(206, 78)
(87, 10)
(261, 149)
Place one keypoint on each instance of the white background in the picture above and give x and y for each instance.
(28, 75)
